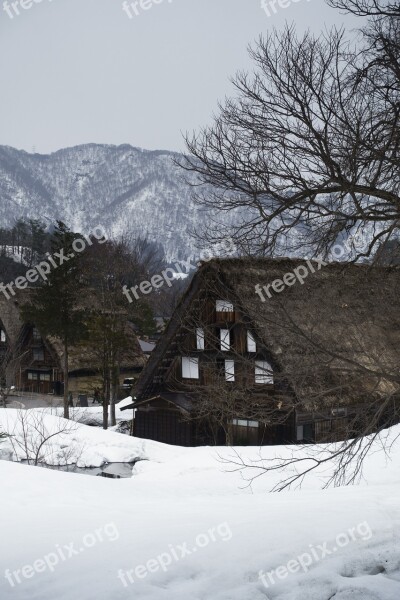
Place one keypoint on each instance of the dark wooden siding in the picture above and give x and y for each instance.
(163, 425)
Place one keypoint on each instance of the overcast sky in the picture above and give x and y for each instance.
(78, 71)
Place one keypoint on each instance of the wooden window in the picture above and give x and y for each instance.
(339, 412)
(223, 306)
(190, 367)
(32, 376)
(36, 334)
(225, 337)
(245, 432)
(200, 339)
(44, 376)
(263, 372)
(38, 354)
(230, 370)
(245, 423)
(251, 342)
(305, 433)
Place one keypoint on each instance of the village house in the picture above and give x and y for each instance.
(33, 362)
(317, 361)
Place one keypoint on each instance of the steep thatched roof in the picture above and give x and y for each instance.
(82, 357)
(335, 338)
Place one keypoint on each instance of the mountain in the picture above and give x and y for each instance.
(122, 188)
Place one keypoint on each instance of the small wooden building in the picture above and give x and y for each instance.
(33, 362)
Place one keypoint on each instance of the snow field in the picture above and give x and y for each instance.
(215, 536)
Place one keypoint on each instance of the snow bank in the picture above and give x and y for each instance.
(76, 444)
(185, 526)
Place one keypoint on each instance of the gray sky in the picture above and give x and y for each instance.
(78, 71)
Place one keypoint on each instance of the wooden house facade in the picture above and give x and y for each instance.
(33, 362)
(302, 365)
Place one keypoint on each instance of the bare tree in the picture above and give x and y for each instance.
(309, 149)
(147, 258)
(112, 340)
(336, 464)
(4, 394)
(35, 440)
(367, 8)
(311, 143)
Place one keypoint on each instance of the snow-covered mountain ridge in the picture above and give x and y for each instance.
(123, 188)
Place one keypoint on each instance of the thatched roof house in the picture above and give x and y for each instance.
(329, 333)
(83, 359)
(34, 362)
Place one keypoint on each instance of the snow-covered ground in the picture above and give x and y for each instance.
(41, 433)
(93, 415)
(17, 253)
(185, 528)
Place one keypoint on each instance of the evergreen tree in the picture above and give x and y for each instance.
(55, 306)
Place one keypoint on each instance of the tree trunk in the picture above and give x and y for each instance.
(228, 435)
(114, 375)
(106, 401)
(66, 400)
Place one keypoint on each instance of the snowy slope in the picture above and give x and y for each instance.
(73, 443)
(185, 528)
(125, 189)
